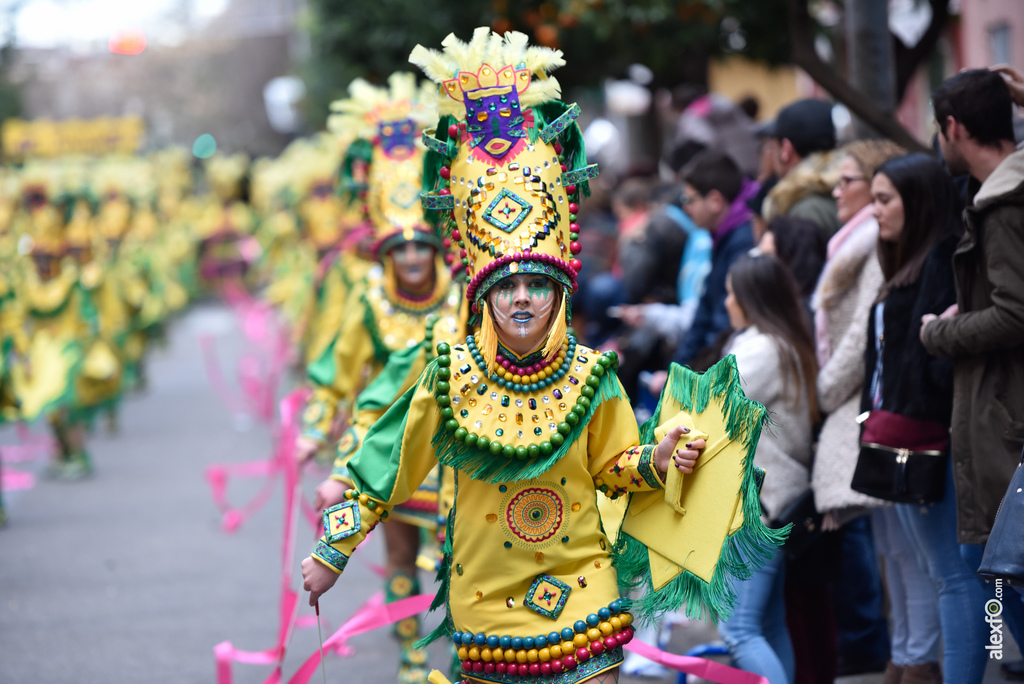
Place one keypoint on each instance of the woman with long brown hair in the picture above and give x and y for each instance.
(917, 212)
(774, 352)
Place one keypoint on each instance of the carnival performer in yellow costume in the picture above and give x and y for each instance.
(57, 321)
(226, 247)
(537, 425)
(99, 381)
(410, 299)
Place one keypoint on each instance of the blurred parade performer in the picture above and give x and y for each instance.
(57, 321)
(534, 424)
(404, 303)
(226, 247)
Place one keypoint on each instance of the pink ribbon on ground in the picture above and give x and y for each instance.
(15, 480)
(699, 667)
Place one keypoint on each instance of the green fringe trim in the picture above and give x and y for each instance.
(433, 161)
(484, 466)
(444, 573)
(359, 150)
(743, 552)
(571, 139)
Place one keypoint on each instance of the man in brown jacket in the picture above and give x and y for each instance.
(985, 336)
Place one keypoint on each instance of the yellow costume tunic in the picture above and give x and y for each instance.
(377, 323)
(56, 328)
(427, 507)
(519, 519)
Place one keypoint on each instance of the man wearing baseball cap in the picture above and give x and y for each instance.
(806, 137)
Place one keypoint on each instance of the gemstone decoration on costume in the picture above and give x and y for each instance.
(547, 596)
(341, 521)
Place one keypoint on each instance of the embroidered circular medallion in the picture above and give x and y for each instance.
(535, 514)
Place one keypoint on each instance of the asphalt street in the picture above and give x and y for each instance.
(130, 577)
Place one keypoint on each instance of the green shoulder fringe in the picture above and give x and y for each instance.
(747, 549)
(482, 465)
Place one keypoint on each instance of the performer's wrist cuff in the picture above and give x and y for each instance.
(647, 469)
(330, 556)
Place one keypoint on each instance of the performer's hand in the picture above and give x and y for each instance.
(305, 449)
(329, 493)
(683, 459)
(317, 578)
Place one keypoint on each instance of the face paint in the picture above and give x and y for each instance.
(414, 265)
(494, 122)
(397, 137)
(521, 305)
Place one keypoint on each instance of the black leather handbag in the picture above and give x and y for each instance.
(806, 521)
(1004, 552)
(901, 459)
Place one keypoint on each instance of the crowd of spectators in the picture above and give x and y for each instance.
(847, 281)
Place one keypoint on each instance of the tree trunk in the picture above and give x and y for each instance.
(870, 58)
(860, 105)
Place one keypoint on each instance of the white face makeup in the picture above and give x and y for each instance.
(522, 305)
(414, 265)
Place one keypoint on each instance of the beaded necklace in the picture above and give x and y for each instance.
(540, 444)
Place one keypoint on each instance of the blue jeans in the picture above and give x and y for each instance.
(915, 616)
(756, 633)
(932, 530)
(863, 630)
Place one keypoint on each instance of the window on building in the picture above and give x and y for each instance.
(999, 44)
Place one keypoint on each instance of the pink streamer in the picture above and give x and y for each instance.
(372, 615)
(699, 667)
(16, 480)
(30, 447)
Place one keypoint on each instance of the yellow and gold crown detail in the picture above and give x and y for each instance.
(509, 156)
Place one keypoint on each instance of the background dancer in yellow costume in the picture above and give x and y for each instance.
(534, 424)
(409, 299)
(58, 321)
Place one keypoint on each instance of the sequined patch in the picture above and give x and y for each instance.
(547, 596)
(341, 521)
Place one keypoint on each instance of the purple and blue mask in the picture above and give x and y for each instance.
(397, 137)
(494, 122)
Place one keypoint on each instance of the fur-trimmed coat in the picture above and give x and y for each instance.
(847, 289)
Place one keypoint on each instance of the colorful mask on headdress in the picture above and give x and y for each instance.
(509, 162)
(392, 118)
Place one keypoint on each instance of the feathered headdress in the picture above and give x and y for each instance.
(506, 165)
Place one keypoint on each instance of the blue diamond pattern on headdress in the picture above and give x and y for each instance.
(507, 211)
(405, 195)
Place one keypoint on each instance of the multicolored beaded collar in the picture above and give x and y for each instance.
(473, 404)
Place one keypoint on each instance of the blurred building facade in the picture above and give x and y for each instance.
(210, 81)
